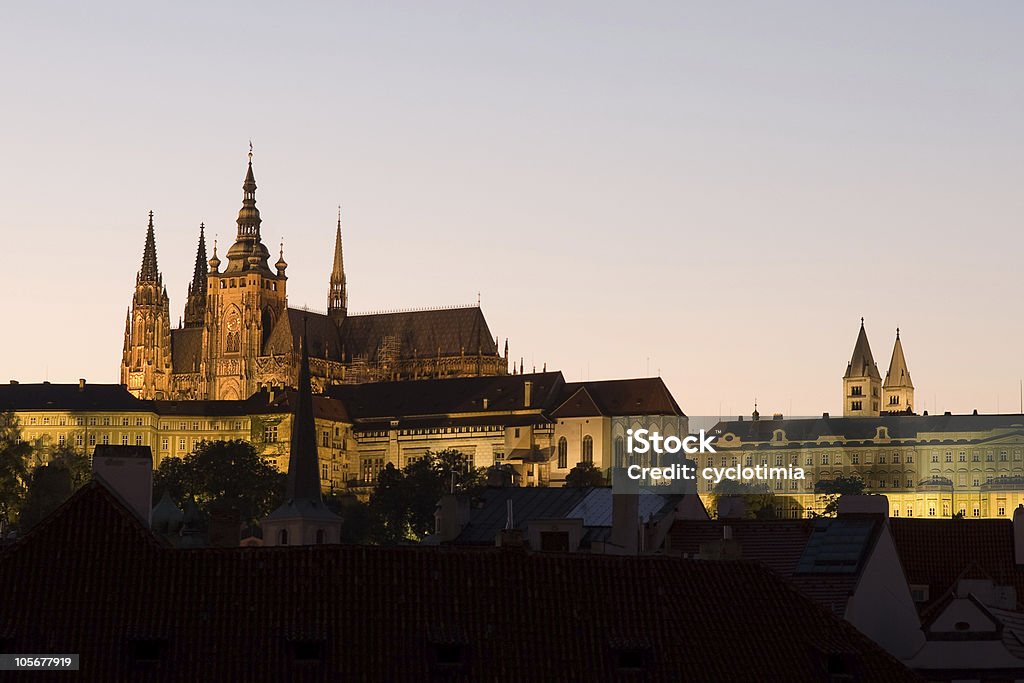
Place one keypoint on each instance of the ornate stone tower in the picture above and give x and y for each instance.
(862, 385)
(337, 297)
(195, 307)
(146, 360)
(898, 390)
(243, 303)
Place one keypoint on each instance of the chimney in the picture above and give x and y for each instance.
(527, 393)
(864, 505)
(451, 517)
(731, 507)
(1018, 534)
(626, 524)
(14, 381)
(127, 471)
(510, 520)
(81, 384)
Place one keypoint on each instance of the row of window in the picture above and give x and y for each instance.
(586, 456)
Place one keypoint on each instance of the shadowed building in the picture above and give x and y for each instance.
(238, 333)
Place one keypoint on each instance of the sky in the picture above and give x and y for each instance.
(713, 192)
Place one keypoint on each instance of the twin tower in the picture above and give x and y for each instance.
(864, 393)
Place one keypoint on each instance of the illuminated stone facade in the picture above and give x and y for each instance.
(238, 333)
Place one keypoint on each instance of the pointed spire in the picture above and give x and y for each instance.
(898, 375)
(303, 463)
(862, 363)
(148, 272)
(195, 306)
(337, 298)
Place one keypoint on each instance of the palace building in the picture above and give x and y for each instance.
(927, 465)
(238, 333)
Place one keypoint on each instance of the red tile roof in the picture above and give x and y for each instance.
(934, 552)
(92, 580)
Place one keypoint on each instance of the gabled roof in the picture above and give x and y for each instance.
(91, 580)
(617, 397)
(862, 364)
(822, 558)
(322, 335)
(47, 396)
(935, 552)
(488, 513)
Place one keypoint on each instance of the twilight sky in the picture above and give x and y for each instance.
(715, 191)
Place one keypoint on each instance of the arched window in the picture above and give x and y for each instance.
(563, 453)
(282, 537)
(320, 537)
(588, 449)
(620, 451)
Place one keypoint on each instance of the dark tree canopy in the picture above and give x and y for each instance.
(404, 501)
(14, 468)
(834, 489)
(222, 474)
(585, 474)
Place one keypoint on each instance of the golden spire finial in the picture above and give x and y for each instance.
(250, 151)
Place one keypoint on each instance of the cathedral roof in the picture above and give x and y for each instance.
(423, 334)
(862, 364)
(898, 375)
(322, 335)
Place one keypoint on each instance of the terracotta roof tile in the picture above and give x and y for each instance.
(91, 580)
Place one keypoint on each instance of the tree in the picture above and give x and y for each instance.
(223, 474)
(757, 497)
(584, 475)
(14, 474)
(404, 501)
(48, 487)
(77, 464)
(833, 489)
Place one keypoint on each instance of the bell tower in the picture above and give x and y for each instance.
(244, 301)
(862, 385)
(898, 390)
(146, 358)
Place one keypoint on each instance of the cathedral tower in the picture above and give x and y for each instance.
(243, 304)
(862, 384)
(146, 359)
(195, 307)
(337, 297)
(898, 390)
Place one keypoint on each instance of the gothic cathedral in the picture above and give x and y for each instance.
(238, 334)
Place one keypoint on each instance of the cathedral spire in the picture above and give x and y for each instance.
(248, 245)
(898, 374)
(148, 272)
(303, 462)
(195, 306)
(337, 299)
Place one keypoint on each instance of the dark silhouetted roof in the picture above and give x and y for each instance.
(934, 552)
(48, 396)
(899, 427)
(504, 393)
(91, 580)
(639, 396)
(822, 558)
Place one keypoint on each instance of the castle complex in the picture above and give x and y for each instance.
(238, 334)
